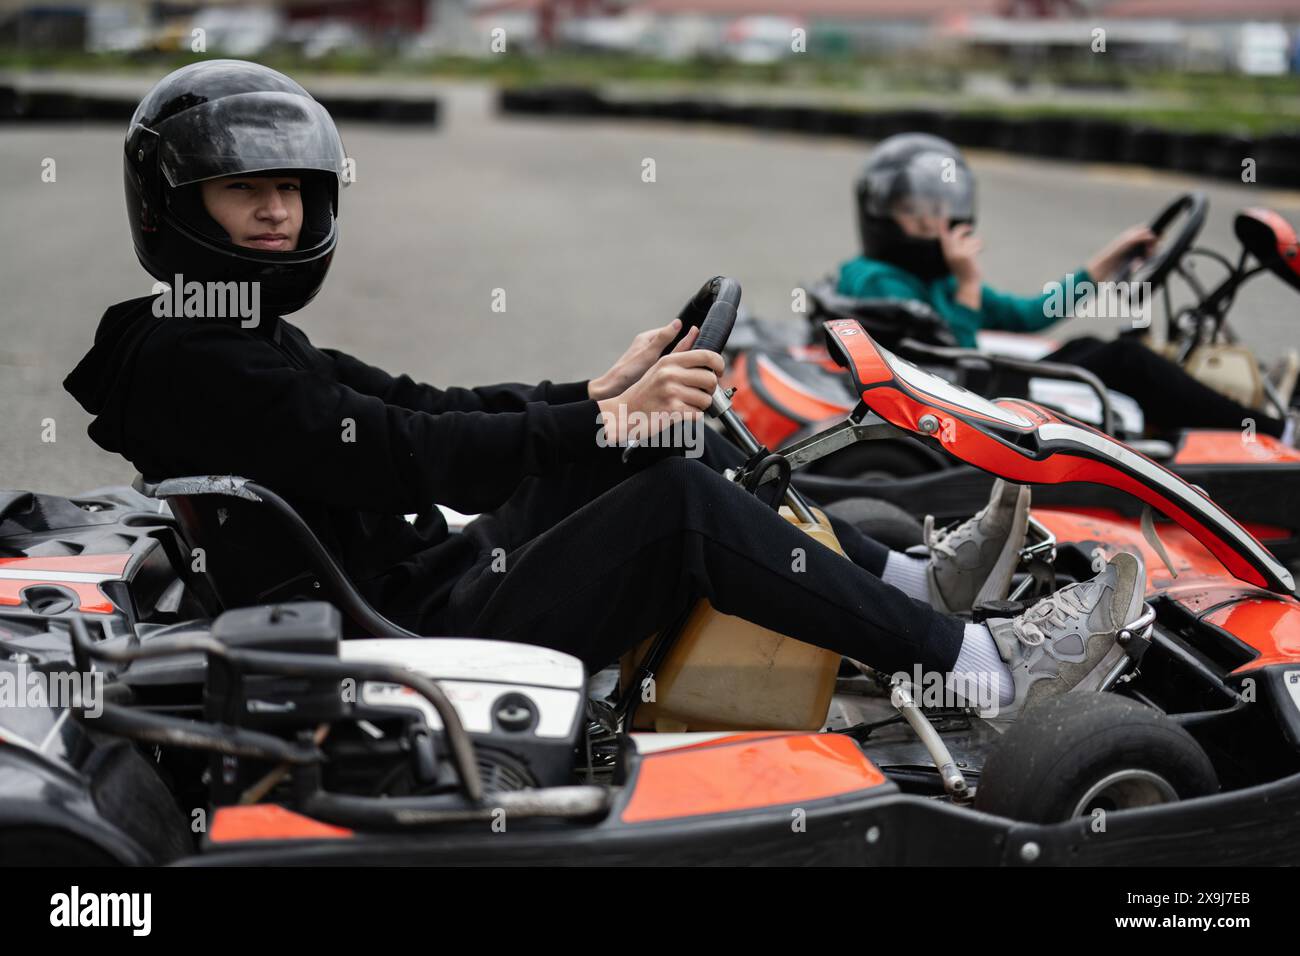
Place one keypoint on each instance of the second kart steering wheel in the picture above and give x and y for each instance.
(1156, 269)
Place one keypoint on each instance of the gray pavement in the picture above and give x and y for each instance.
(553, 212)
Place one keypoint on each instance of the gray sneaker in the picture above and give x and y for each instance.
(975, 560)
(1067, 641)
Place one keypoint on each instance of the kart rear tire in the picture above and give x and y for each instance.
(886, 522)
(1076, 753)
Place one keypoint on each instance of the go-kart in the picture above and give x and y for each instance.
(786, 386)
(255, 709)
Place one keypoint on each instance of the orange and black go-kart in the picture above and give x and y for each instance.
(787, 387)
(253, 708)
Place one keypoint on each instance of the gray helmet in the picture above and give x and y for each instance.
(929, 174)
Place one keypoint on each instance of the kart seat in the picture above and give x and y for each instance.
(887, 320)
(258, 550)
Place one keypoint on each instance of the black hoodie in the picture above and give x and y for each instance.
(189, 396)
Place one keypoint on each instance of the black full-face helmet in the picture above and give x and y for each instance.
(231, 118)
(926, 173)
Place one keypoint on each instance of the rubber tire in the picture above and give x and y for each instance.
(882, 459)
(1056, 750)
(45, 846)
(886, 522)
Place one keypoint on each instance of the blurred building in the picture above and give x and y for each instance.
(1253, 36)
(141, 24)
(1250, 35)
(42, 26)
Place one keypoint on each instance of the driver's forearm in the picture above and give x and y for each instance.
(969, 294)
(598, 391)
(1101, 266)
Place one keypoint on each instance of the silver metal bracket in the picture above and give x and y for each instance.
(848, 432)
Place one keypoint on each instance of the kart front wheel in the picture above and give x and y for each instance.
(886, 522)
(1079, 753)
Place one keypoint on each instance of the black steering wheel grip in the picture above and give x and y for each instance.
(1156, 269)
(713, 309)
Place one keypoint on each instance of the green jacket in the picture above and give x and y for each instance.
(863, 278)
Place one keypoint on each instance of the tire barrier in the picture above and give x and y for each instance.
(59, 106)
(1277, 159)
(382, 109)
(1146, 146)
(1095, 140)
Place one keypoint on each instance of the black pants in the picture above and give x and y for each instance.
(1170, 398)
(598, 557)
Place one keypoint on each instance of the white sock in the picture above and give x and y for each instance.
(907, 573)
(980, 665)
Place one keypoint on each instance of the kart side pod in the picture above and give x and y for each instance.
(1026, 443)
(725, 673)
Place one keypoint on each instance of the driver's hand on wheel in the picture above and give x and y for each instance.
(678, 387)
(640, 355)
(1132, 245)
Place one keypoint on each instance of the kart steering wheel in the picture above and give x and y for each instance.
(713, 309)
(1156, 269)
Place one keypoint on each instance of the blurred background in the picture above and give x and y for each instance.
(1191, 63)
(550, 205)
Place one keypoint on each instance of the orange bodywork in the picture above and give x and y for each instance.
(1288, 248)
(907, 407)
(22, 573)
(747, 771)
(816, 355)
(1228, 448)
(268, 821)
(1268, 622)
(1270, 625)
(788, 407)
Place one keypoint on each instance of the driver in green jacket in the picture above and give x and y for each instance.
(916, 217)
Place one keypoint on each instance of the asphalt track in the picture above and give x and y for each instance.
(557, 215)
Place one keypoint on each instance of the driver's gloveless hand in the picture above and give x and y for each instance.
(678, 387)
(645, 349)
(1133, 244)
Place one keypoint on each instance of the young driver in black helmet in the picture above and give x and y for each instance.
(232, 175)
(916, 218)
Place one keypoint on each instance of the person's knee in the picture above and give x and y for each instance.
(1127, 350)
(680, 486)
(674, 468)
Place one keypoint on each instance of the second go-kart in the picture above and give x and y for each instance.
(309, 730)
(786, 387)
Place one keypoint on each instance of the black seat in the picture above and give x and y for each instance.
(888, 321)
(258, 550)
